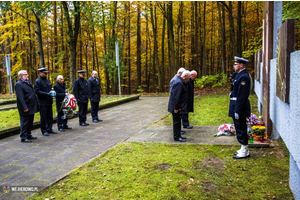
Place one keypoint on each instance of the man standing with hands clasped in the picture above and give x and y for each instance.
(27, 105)
(42, 88)
(239, 107)
(81, 93)
(178, 103)
(94, 93)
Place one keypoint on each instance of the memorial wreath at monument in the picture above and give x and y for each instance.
(68, 106)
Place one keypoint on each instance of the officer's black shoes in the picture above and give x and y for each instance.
(188, 127)
(26, 140)
(180, 139)
(183, 137)
(46, 134)
(61, 130)
(99, 120)
(52, 131)
(95, 121)
(182, 132)
(31, 138)
(237, 157)
(67, 127)
(84, 124)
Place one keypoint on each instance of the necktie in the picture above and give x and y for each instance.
(27, 82)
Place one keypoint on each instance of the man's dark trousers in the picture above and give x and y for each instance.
(94, 110)
(82, 112)
(26, 125)
(241, 130)
(176, 125)
(185, 120)
(46, 118)
(61, 123)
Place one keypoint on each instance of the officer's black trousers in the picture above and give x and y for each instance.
(82, 112)
(26, 126)
(61, 123)
(241, 130)
(185, 120)
(176, 126)
(46, 118)
(94, 110)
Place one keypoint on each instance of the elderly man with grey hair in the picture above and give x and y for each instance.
(60, 89)
(190, 85)
(179, 73)
(27, 105)
(94, 95)
(178, 103)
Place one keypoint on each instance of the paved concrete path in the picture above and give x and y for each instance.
(48, 159)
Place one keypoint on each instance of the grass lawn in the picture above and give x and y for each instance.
(134, 170)
(11, 118)
(210, 110)
(165, 171)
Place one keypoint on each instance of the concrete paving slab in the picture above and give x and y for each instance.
(10, 169)
(18, 178)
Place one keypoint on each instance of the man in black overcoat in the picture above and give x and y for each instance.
(81, 93)
(178, 103)
(190, 85)
(94, 94)
(42, 88)
(60, 89)
(27, 105)
(239, 108)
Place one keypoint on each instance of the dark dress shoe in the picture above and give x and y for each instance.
(95, 121)
(26, 140)
(180, 140)
(31, 138)
(99, 120)
(182, 132)
(53, 132)
(237, 157)
(46, 134)
(83, 124)
(61, 130)
(67, 127)
(188, 127)
(183, 137)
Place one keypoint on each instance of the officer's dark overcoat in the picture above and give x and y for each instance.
(60, 90)
(178, 97)
(26, 98)
(80, 90)
(94, 89)
(42, 87)
(239, 102)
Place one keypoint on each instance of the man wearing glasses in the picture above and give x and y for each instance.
(27, 105)
(239, 107)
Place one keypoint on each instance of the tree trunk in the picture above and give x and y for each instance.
(138, 47)
(128, 51)
(239, 29)
(203, 46)
(222, 43)
(55, 37)
(40, 41)
(196, 62)
(171, 36)
(105, 51)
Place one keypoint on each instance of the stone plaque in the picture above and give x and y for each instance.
(258, 60)
(286, 45)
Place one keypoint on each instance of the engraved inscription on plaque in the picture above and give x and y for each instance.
(286, 45)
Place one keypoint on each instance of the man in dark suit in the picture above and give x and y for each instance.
(190, 85)
(239, 107)
(94, 94)
(42, 88)
(81, 93)
(60, 89)
(27, 105)
(178, 103)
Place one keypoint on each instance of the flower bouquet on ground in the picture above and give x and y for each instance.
(252, 119)
(259, 130)
(225, 129)
(68, 106)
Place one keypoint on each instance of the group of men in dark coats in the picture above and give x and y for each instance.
(40, 98)
(181, 101)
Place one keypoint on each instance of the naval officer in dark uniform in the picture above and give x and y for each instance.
(178, 103)
(94, 94)
(27, 105)
(81, 93)
(60, 89)
(42, 88)
(239, 107)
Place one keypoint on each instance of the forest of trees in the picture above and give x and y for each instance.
(155, 39)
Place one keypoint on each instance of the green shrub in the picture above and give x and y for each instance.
(210, 81)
